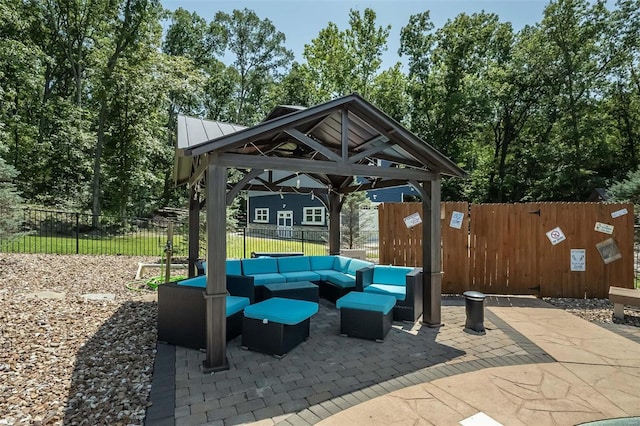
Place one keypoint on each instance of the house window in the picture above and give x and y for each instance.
(313, 216)
(262, 216)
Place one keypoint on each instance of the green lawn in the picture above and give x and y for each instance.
(236, 246)
(128, 245)
(149, 245)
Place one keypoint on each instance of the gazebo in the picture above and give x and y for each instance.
(320, 151)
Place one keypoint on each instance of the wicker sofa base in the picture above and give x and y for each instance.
(273, 338)
(182, 315)
(332, 292)
(364, 324)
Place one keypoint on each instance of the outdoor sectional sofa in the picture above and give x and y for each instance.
(182, 308)
(336, 276)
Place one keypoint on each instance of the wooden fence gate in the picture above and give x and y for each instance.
(505, 249)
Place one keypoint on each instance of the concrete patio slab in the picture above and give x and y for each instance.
(100, 297)
(45, 295)
(569, 338)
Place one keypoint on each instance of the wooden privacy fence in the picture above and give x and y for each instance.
(504, 248)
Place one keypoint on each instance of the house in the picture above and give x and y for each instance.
(306, 211)
(269, 210)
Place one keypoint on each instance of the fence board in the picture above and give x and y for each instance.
(455, 247)
(503, 248)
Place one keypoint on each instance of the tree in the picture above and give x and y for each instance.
(578, 57)
(10, 201)
(350, 219)
(450, 86)
(342, 62)
(133, 22)
(627, 190)
(259, 57)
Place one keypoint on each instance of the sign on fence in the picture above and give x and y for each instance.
(556, 235)
(578, 260)
(456, 220)
(413, 220)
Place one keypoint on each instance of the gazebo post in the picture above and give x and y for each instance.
(216, 291)
(431, 255)
(334, 223)
(194, 229)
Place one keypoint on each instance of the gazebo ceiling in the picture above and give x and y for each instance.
(303, 149)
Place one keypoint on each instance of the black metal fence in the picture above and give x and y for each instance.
(58, 232)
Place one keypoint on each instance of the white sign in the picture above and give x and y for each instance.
(413, 220)
(578, 259)
(556, 235)
(619, 213)
(605, 228)
(456, 220)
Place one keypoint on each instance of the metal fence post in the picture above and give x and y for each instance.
(302, 238)
(77, 233)
(244, 242)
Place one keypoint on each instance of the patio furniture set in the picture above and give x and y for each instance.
(271, 300)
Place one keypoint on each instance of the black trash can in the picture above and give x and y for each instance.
(474, 308)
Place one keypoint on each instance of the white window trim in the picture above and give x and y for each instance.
(304, 216)
(261, 210)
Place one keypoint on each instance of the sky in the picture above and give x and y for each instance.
(302, 20)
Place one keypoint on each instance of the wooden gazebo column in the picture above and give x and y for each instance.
(194, 230)
(431, 254)
(216, 291)
(335, 206)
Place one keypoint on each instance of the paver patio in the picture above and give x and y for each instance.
(329, 373)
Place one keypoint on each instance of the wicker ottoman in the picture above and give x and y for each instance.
(277, 325)
(366, 315)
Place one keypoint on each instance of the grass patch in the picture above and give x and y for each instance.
(152, 245)
(239, 247)
(127, 245)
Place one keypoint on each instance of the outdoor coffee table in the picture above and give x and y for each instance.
(300, 290)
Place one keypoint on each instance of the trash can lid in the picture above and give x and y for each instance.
(474, 295)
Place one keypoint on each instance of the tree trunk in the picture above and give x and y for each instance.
(97, 163)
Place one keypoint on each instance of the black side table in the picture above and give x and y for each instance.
(300, 290)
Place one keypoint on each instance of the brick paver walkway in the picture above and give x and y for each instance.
(328, 372)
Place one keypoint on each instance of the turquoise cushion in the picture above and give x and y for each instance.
(398, 291)
(395, 275)
(321, 262)
(323, 274)
(264, 265)
(199, 281)
(282, 311)
(262, 279)
(235, 304)
(356, 264)
(301, 276)
(293, 264)
(234, 267)
(341, 263)
(341, 280)
(367, 302)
